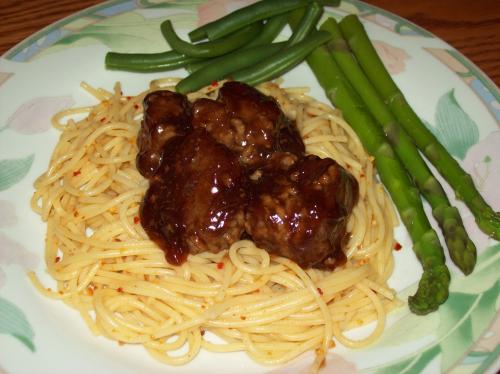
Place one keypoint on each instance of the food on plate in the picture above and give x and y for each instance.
(250, 124)
(486, 218)
(261, 10)
(325, 61)
(236, 219)
(235, 167)
(244, 297)
(247, 55)
(167, 115)
(462, 250)
(196, 200)
(260, 59)
(300, 211)
(433, 286)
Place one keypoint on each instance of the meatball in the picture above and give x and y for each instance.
(166, 114)
(235, 167)
(197, 199)
(249, 123)
(301, 211)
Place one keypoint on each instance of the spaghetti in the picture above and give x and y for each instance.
(118, 280)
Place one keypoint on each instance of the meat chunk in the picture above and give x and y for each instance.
(235, 167)
(196, 200)
(166, 114)
(249, 123)
(300, 212)
(214, 117)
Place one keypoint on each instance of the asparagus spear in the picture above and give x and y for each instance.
(460, 247)
(433, 286)
(487, 219)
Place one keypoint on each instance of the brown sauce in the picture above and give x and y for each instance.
(221, 170)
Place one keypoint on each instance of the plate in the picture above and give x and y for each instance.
(41, 76)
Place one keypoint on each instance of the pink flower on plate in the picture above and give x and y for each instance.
(393, 58)
(482, 163)
(490, 339)
(13, 253)
(34, 116)
(7, 214)
(214, 9)
(3, 78)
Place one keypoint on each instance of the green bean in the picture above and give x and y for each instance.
(307, 23)
(147, 62)
(281, 62)
(270, 30)
(198, 34)
(197, 65)
(245, 16)
(210, 49)
(223, 66)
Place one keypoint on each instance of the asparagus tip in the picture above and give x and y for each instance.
(432, 290)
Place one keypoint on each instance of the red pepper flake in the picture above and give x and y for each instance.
(103, 119)
(361, 174)
(57, 259)
(119, 289)
(136, 220)
(220, 265)
(214, 84)
(75, 213)
(320, 291)
(397, 246)
(136, 106)
(90, 291)
(202, 332)
(129, 97)
(77, 172)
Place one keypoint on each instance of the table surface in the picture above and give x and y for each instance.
(472, 27)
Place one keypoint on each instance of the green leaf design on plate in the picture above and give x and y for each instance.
(454, 128)
(13, 322)
(409, 328)
(127, 32)
(488, 360)
(459, 322)
(463, 319)
(13, 170)
(475, 357)
(414, 364)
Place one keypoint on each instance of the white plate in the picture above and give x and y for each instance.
(42, 75)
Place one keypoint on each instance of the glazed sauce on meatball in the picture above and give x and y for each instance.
(235, 167)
